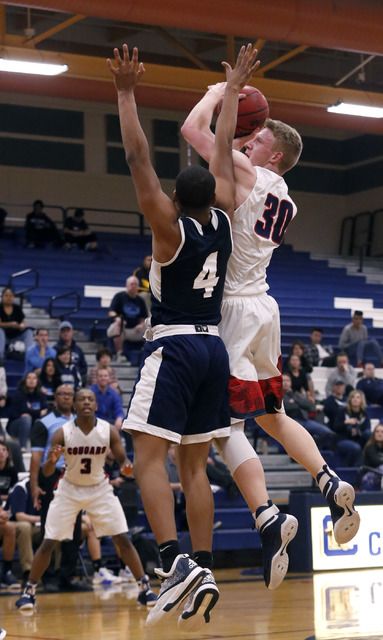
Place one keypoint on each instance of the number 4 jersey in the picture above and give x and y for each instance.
(259, 226)
(188, 289)
(85, 454)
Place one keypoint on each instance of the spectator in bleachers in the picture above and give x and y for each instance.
(318, 355)
(108, 400)
(8, 473)
(77, 354)
(354, 340)
(132, 309)
(373, 457)
(297, 349)
(142, 273)
(27, 405)
(3, 215)
(344, 371)
(371, 386)
(67, 370)
(37, 354)
(39, 228)
(8, 544)
(15, 451)
(50, 380)
(27, 522)
(78, 234)
(3, 389)
(353, 428)
(104, 359)
(12, 323)
(300, 380)
(335, 401)
(298, 406)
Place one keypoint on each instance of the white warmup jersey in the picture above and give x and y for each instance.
(85, 454)
(85, 486)
(258, 228)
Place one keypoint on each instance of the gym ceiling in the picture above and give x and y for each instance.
(313, 53)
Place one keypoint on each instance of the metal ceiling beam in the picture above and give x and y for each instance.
(184, 50)
(31, 42)
(194, 81)
(281, 59)
(349, 25)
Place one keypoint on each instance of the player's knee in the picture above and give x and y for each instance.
(122, 540)
(48, 546)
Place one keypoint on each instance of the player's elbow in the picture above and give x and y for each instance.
(187, 131)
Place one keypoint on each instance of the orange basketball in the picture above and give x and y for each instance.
(252, 111)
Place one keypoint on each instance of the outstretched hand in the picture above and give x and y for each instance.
(128, 71)
(245, 67)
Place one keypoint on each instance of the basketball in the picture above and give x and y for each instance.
(252, 111)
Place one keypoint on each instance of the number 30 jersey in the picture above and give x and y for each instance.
(259, 226)
(85, 454)
(188, 289)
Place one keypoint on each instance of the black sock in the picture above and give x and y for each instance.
(7, 564)
(204, 559)
(168, 552)
(97, 564)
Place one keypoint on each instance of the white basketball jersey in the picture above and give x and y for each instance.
(85, 454)
(258, 228)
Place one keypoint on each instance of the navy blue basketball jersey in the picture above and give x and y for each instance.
(188, 289)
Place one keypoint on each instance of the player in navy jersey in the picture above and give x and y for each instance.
(181, 394)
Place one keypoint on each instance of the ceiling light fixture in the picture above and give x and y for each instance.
(36, 68)
(356, 110)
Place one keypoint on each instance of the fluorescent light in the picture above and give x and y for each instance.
(37, 68)
(356, 110)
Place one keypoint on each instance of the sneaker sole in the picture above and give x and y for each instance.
(196, 618)
(168, 604)
(280, 561)
(348, 525)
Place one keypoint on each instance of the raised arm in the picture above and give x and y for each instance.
(221, 160)
(156, 206)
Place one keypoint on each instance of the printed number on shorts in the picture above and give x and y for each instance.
(276, 218)
(207, 278)
(87, 462)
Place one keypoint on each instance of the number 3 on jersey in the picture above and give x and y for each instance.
(207, 278)
(276, 218)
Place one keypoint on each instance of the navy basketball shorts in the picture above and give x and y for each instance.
(181, 393)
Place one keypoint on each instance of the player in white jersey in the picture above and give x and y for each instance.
(251, 331)
(84, 485)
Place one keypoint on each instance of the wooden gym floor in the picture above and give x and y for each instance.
(327, 606)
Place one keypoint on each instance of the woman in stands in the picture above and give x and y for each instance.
(50, 380)
(28, 403)
(373, 457)
(300, 380)
(8, 473)
(353, 427)
(12, 324)
(297, 349)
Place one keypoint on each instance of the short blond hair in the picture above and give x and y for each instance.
(287, 140)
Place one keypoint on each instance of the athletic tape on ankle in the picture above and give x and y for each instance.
(266, 515)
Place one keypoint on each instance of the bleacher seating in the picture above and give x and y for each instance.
(305, 290)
